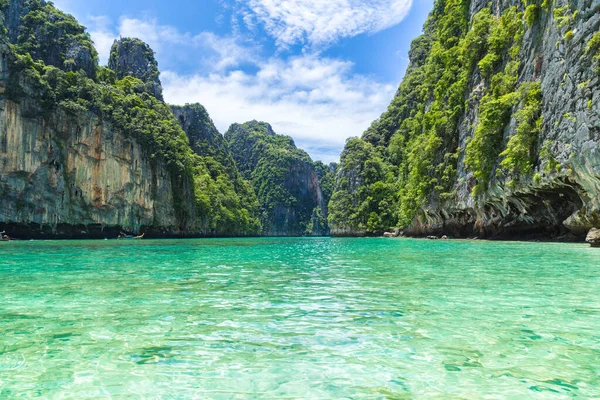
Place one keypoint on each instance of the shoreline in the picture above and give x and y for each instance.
(195, 237)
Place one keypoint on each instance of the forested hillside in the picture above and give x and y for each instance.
(494, 130)
(286, 181)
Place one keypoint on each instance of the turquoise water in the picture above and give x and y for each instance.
(299, 318)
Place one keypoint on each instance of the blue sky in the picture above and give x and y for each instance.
(318, 70)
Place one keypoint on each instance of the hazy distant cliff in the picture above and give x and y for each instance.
(284, 178)
(494, 131)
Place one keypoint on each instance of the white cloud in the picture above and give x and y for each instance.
(209, 50)
(218, 52)
(321, 22)
(315, 100)
(100, 30)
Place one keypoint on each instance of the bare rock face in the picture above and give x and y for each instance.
(133, 57)
(77, 177)
(593, 237)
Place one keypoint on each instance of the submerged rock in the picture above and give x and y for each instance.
(593, 237)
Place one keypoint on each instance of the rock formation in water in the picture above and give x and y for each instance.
(87, 151)
(221, 189)
(494, 131)
(593, 237)
(284, 178)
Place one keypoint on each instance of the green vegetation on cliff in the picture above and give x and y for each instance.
(365, 190)
(208, 198)
(51, 36)
(133, 57)
(284, 178)
(408, 158)
(221, 191)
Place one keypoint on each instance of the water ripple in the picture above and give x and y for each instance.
(299, 318)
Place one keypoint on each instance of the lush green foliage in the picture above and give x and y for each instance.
(228, 205)
(519, 155)
(415, 138)
(209, 197)
(415, 143)
(132, 57)
(593, 49)
(221, 191)
(365, 191)
(283, 177)
(56, 38)
(564, 16)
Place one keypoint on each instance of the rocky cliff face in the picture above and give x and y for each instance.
(87, 151)
(69, 177)
(508, 143)
(75, 161)
(204, 137)
(284, 178)
(48, 34)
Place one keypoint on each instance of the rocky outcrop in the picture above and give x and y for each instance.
(204, 137)
(559, 195)
(61, 42)
(593, 237)
(550, 204)
(133, 57)
(283, 177)
(87, 155)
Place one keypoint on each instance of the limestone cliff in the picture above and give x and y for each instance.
(204, 137)
(220, 186)
(74, 160)
(78, 177)
(37, 28)
(132, 57)
(284, 178)
(494, 131)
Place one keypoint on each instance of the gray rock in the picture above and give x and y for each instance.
(69, 175)
(593, 237)
(548, 202)
(133, 57)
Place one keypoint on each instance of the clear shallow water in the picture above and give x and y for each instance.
(298, 318)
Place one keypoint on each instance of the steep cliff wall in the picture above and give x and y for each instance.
(221, 191)
(204, 137)
(84, 154)
(74, 177)
(494, 131)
